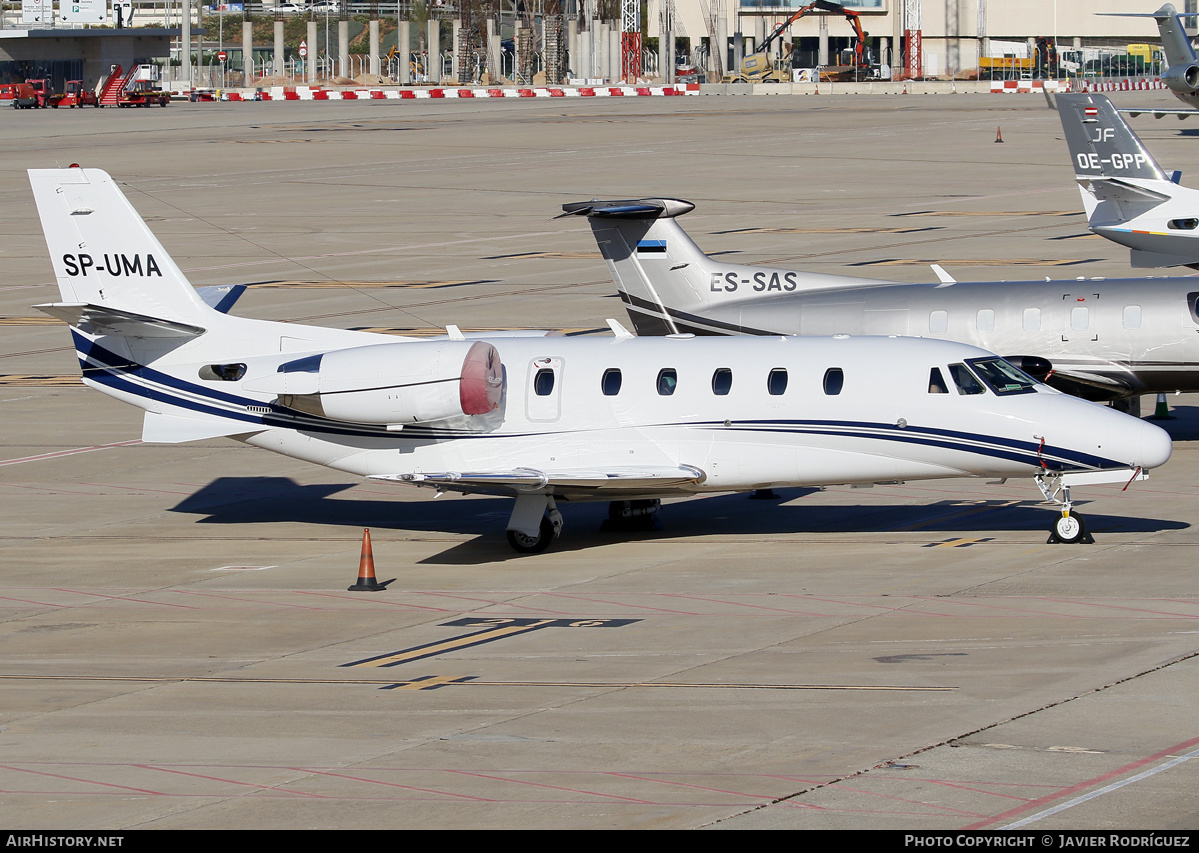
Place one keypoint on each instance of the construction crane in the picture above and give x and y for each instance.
(757, 67)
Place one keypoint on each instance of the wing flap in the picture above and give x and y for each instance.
(533, 480)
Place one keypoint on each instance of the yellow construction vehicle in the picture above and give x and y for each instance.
(758, 67)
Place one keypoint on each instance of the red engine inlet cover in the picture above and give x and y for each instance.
(482, 380)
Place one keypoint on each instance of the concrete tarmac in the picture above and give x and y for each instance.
(177, 645)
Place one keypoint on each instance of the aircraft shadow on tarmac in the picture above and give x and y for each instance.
(259, 500)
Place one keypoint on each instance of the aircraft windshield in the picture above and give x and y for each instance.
(1002, 377)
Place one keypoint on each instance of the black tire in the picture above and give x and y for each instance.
(1069, 529)
(523, 544)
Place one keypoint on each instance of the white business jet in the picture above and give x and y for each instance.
(547, 419)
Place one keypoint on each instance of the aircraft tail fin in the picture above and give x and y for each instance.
(1118, 178)
(1176, 45)
(652, 260)
(1101, 143)
(110, 267)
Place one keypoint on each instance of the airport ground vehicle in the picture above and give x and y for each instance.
(21, 94)
(79, 96)
(759, 68)
(141, 95)
(43, 90)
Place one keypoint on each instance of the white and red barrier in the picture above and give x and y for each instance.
(316, 93)
(1012, 87)
(1075, 84)
(1117, 85)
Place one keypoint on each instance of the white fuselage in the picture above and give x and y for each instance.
(883, 424)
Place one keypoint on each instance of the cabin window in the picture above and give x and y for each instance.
(1193, 304)
(1032, 319)
(1080, 318)
(936, 382)
(834, 381)
(986, 320)
(223, 372)
(938, 322)
(776, 382)
(966, 382)
(1132, 316)
(543, 382)
(1003, 377)
(722, 381)
(668, 380)
(611, 382)
(1183, 224)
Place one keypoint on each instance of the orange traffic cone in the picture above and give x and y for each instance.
(366, 568)
(998, 135)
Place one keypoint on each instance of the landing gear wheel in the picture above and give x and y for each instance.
(1069, 530)
(632, 515)
(525, 544)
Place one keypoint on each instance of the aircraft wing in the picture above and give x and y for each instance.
(98, 320)
(578, 482)
(1089, 386)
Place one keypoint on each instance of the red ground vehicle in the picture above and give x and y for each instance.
(21, 94)
(137, 96)
(78, 96)
(134, 89)
(44, 92)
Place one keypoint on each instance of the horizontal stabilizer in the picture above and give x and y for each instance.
(172, 429)
(643, 208)
(1158, 113)
(97, 320)
(1114, 189)
(530, 480)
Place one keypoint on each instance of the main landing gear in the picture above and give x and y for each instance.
(632, 515)
(1069, 528)
(535, 524)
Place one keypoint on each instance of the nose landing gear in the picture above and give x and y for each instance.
(1069, 528)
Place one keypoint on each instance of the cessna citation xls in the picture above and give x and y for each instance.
(544, 419)
(1100, 339)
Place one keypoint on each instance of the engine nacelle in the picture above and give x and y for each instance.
(1182, 78)
(394, 384)
(1034, 365)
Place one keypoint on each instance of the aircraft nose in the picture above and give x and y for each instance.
(1156, 446)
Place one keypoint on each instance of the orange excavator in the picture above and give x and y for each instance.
(758, 68)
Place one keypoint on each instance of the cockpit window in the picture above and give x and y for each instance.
(966, 381)
(936, 382)
(1003, 377)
